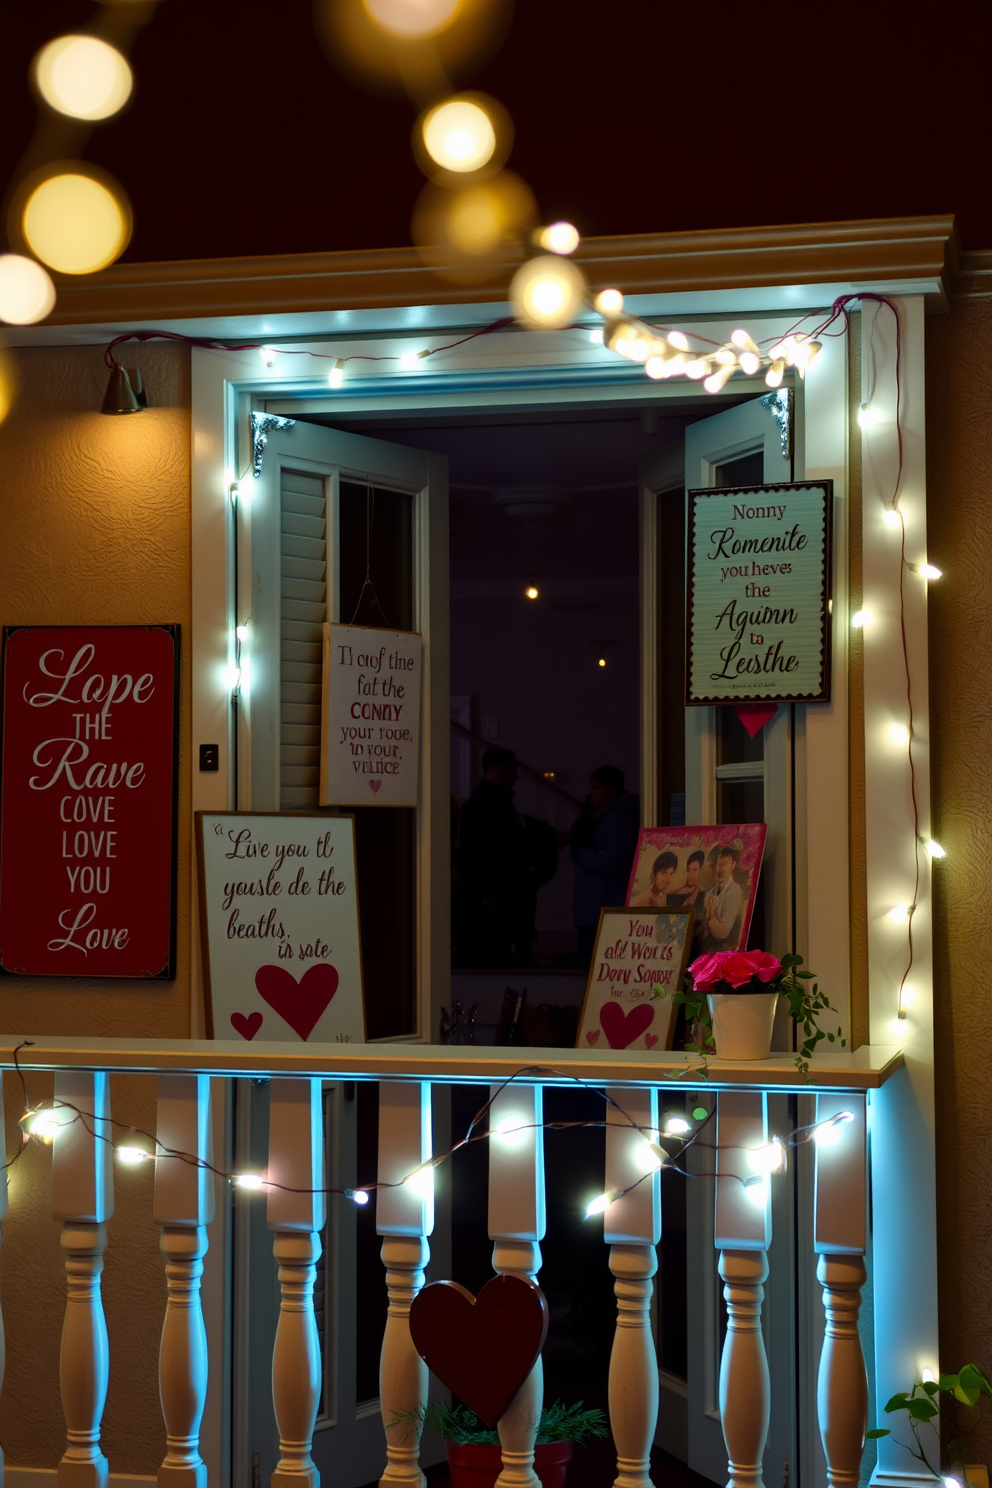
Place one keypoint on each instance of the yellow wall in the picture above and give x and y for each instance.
(94, 529)
(959, 500)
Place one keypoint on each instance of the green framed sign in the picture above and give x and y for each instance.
(758, 594)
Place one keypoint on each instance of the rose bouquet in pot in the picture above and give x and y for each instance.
(730, 1000)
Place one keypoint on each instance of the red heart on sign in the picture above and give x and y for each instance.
(375, 786)
(301, 1003)
(246, 1026)
(482, 1348)
(622, 1028)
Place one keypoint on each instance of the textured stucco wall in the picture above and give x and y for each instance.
(94, 529)
(959, 504)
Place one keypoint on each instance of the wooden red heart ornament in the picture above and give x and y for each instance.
(302, 1003)
(484, 1347)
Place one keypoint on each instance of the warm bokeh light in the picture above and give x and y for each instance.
(547, 292)
(27, 294)
(532, 591)
(459, 135)
(467, 224)
(413, 19)
(8, 384)
(83, 76)
(560, 237)
(609, 302)
(75, 223)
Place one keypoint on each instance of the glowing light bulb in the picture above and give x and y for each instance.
(241, 490)
(413, 19)
(512, 1131)
(83, 77)
(892, 517)
(758, 1190)
(677, 1126)
(532, 591)
(861, 618)
(640, 349)
(697, 368)
(828, 1133)
(596, 336)
(357, 1196)
(908, 997)
(927, 570)
(656, 367)
(27, 294)
(609, 302)
(933, 848)
(75, 223)
(652, 1156)
(602, 1202)
(421, 1182)
(775, 373)
(899, 912)
(869, 416)
(928, 1377)
(769, 1158)
(725, 357)
(676, 364)
(132, 1157)
(716, 379)
(560, 237)
(252, 1181)
(411, 361)
(267, 354)
(47, 1123)
(336, 375)
(678, 340)
(742, 339)
(459, 135)
(241, 631)
(547, 292)
(601, 661)
(232, 677)
(749, 362)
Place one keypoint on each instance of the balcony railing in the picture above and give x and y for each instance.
(184, 1202)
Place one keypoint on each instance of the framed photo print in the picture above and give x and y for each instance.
(713, 870)
(636, 950)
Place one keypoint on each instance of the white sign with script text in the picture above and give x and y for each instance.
(370, 718)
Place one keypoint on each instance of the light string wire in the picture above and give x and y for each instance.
(670, 1162)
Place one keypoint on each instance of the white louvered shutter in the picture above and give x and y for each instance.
(303, 610)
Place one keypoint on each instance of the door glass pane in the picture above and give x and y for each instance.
(671, 658)
(746, 470)
(376, 535)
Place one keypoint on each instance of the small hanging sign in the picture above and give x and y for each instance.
(89, 800)
(370, 717)
(279, 926)
(758, 627)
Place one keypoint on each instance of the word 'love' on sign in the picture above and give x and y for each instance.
(279, 926)
(758, 625)
(88, 809)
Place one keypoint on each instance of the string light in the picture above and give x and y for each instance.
(933, 848)
(560, 237)
(900, 911)
(676, 1126)
(421, 1181)
(132, 1157)
(769, 1158)
(357, 1196)
(827, 1133)
(83, 77)
(609, 302)
(602, 1202)
(75, 222)
(251, 1181)
(892, 516)
(861, 618)
(546, 292)
(899, 733)
(336, 375)
(27, 294)
(758, 1190)
(869, 416)
(532, 591)
(459, 135)
(926, 570)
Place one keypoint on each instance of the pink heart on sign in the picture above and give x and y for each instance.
(246, 1026)
(375, 785)
(301, 1003)
(622, 1028)
(650, 1039)
(592, 1037)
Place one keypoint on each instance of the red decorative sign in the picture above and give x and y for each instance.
(88, 803)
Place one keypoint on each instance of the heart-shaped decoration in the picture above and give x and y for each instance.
(301, 1003)
(650, 1039)
(482, 1348)
(754, 716)
(247, 1025)
(375, 786)
(592, 1037)
(622, 1028)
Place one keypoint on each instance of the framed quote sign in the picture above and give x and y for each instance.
(88, 793)
(370, 717)
(758, 587)
(279, 926)
(636, 951)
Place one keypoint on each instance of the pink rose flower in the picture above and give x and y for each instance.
(741, 971)
(738, 969)
(767, 968)
(706, 971)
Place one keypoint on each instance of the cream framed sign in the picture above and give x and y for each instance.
(370, 717)
(758, 586)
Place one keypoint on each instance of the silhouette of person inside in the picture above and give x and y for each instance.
(602, 844)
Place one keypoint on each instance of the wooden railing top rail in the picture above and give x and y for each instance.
(866, 1068)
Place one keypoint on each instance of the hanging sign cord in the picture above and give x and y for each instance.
(367, 583)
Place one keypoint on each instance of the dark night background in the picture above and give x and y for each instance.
(633, 117)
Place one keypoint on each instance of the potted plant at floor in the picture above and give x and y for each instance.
(922, 1406)
(473, 1450)
(730, 1000)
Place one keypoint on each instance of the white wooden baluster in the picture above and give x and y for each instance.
(516, 1225)
(839, 1221)
(743, 1233)
(3, 1340)
(296, 1160)
(184, 1206)
(83, 1199)
(632, 1229)
(404, 1219)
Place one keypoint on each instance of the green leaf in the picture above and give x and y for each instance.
(920, 1409)
(948, 1381)
(874, 1435)
(930, 1386)
(898, 1402)
(965, 1396)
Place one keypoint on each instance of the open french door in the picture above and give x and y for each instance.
(699, 765)
(339, 527)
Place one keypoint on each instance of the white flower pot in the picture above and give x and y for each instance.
(742, 1023)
